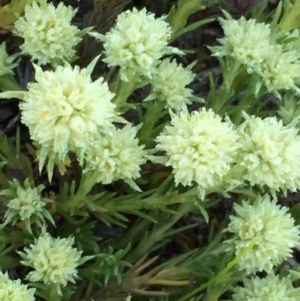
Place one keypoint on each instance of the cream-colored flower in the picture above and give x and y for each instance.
(116, 155)
(280, 71)
(54, 261)
(270, 153)
(65, 109)
(269, 288)
(7, 63)
(169, 83)
(14, 290)
(26, 204)
(200, 147)
(136, 43)
(48, 34)
(272, 229)
(246, 41)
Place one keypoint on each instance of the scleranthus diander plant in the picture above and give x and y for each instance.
(269, 153)
(271, 287)
(14, 290)
(49, 37)
(54, 261)
(200, 147)
(169, 83)
(272, 229)
(25, 204)
(116, 155)
(147, 153)
(137, 43)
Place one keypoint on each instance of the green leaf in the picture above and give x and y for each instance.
(177, 17)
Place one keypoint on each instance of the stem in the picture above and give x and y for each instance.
(230, 264)
(158, 233)
(155, 111)
(168, 282)
(88, 181)
(52, 294)
(226, 91)
(123, 91)
(221, 98)
(8, 83)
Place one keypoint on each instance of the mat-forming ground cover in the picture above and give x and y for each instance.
(149, 150)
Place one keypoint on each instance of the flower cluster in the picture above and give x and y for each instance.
(280, 70)
(14, 290)
(54, 261)
(116, 155)
(64, 110)
(203, 149)
(270, 153)
(136, 43)
(251, 44)
(48, 34)
(269, 288)
(270, 227)
(246, 41)
(26, 204)
(200, 147)
(169, 83)
(7, 63)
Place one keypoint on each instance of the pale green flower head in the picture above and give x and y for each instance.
(14, 290)
(7, 63)
(54, 261)
(169, 83)
(269, 288)
(270, 153)
(200, 147)
(26, 204)
(64, 109)
(280, 71)
(116, 155)
(270, 227)
(48, 34)
(136, 43)
(245, 41)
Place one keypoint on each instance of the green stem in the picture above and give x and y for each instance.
(8, 83)
(16, 236)
(221, 98)
(52, 294)
(229, 266)
(88, 181)
(123, 91)
(226, 90)
(246, 103)
(155, 111)
(158, 233)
